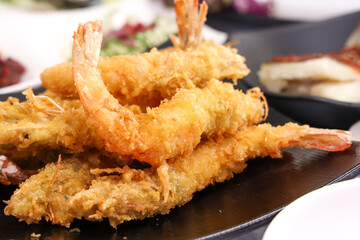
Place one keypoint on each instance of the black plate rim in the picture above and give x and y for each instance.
(232, 14)
(264, 219)
(300, 25)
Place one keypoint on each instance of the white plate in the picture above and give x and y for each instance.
(310, 10)
(24, 84)
(331, 212)
(37, 39)
(41, 39)
(355, 131)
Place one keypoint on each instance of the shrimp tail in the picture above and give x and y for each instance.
(190, 22)
(265, 140)
(86, 51)
(308, 137)
(325, 139)
(89, 51)
(108, 117)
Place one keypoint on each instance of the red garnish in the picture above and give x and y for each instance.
(127, 33)
(349, 56)
(296, 58)
(10, 72)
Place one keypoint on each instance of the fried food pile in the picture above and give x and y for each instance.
(129, 137)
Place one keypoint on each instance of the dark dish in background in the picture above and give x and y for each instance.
(307, 38)
(235, 15)
(224, 21)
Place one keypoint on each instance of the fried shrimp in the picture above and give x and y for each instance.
(146, 79)
(137, 194)
(45, 121)
(52, 188)
(173, 128)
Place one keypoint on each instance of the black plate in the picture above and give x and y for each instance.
(224, 211)
(229, 20)
(305, 38)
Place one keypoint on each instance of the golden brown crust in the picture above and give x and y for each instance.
(137, 194)
(147, 78)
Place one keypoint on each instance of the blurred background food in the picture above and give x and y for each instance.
(300, 40)
(137, 37)
(330, 75)
(333, 75)
(10, 71)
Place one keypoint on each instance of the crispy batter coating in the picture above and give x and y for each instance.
(46, 194)
(137, 194)
(55, 122)
(173, 128)
(147, 78)
(28, 127)
(36, 126)
(29, 131)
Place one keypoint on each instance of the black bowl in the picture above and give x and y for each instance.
(304, 38)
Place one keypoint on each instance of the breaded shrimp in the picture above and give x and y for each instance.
(137, 194)
(35, 131)
(45, 121)
(52, 188)
(146, 79)
(173, 128)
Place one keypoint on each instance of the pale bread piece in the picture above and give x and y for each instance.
(319, 69)
(323, 77)
(341, 91)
